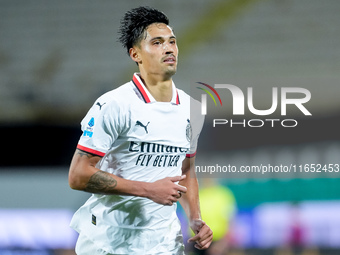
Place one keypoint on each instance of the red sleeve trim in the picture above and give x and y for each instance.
(191, 155)
(98, 153)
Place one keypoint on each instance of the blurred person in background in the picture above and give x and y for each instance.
(137, 153)
(297, 232)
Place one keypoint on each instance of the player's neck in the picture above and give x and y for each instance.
(160, 89)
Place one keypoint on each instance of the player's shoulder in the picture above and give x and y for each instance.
(118, 94)
(115, 101)
(117, 97)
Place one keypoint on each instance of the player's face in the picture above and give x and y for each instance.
(158, 51)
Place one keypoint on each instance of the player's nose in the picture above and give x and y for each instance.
(168, 48)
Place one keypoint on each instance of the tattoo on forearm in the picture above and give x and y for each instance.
(101, 182)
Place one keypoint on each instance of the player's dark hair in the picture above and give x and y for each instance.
(135, 22)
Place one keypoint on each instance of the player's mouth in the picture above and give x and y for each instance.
(170, 60)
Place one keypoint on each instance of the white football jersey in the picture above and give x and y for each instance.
(138, 139)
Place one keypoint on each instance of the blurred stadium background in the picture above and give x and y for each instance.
(57, 57)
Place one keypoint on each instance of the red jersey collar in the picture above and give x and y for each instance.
(147, 97)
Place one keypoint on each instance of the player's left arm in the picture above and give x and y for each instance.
(190, 203)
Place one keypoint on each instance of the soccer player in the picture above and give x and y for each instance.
(137, 151)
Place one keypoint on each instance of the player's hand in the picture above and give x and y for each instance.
(166, 191)
(203, 234)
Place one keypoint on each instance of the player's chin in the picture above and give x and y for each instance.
(171, 70)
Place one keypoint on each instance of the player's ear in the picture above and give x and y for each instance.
(134, 55)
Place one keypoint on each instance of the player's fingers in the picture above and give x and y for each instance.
(197, 238)
(177, 178)
(194, 239)
(203, 244)
(181, 188)
(197, 246)
(177, 195)
(206, 241)
(174, 198)
(206, 246)
(205, 233)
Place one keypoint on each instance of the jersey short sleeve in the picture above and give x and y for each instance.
(101, 127)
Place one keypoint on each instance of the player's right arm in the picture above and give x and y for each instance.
(83, 175)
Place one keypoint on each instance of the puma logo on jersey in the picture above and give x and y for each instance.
(100, 105)
(138, 123)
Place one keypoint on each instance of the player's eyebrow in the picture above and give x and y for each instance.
(162, 38)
